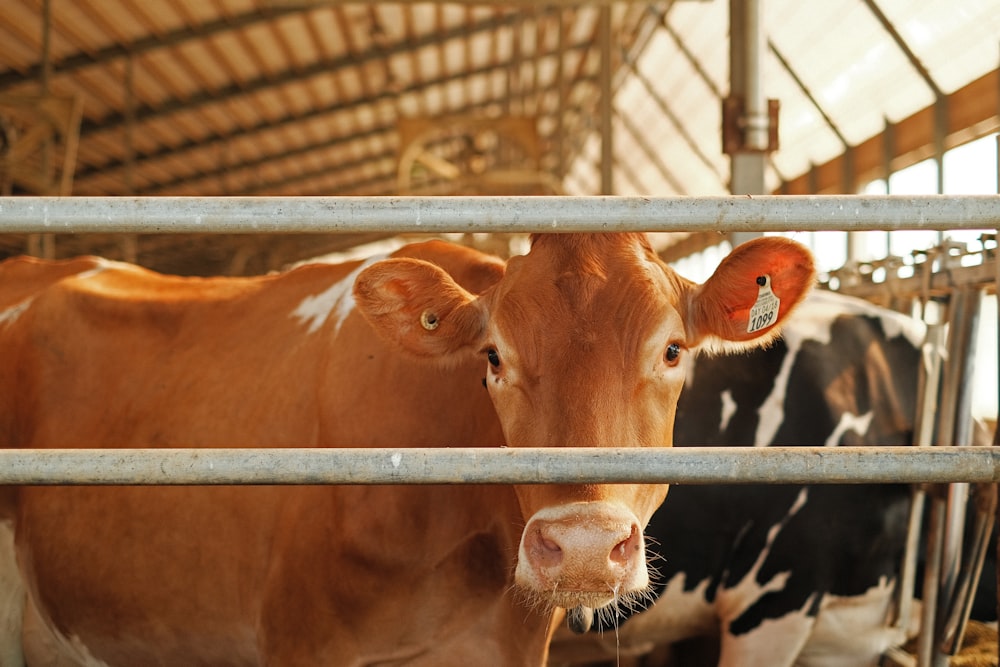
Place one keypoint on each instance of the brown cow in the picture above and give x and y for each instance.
(583, 341)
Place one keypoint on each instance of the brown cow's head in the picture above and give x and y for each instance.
(585, 342)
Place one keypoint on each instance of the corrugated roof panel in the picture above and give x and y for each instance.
(868, 70)
(20, 34)
(427, 62)
(408, 105)
(265, 48)
(210, 72)
(237, 57)
(687, 98)
(957, 42)
(327, 29)
(299, 39)
(582, 25)
(583, 177)
(210, 50)
(199, 11)
(101, 91)
(217, 120)
(296, 99)
(479, 51)
(804, 136)
(478, 89)
(703, 30)
(157, 17)
(81, 28)
(631, 178)
(365, 117)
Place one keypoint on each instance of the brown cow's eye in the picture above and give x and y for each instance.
(673, 354)
(494, 357)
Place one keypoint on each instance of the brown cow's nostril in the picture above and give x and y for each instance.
(625, 550)
(548, 544)
(545, 551)
(578, 563)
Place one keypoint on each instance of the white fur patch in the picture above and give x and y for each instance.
(11, 314)
(336, 302)
(733, 602)
(775, 643)
(728, 410)
(677, 614)
(102, 266)
(772, 410)
(849, 422)
(852, 630)
(813, 320)
(894, 324)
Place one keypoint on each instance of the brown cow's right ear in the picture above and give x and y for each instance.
(419, 307)
(751, 292)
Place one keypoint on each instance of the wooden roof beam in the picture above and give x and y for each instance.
(165, 153)
(972, 113)
(148, 43)
(112, 121)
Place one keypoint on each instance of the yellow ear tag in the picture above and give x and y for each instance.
(764, 312)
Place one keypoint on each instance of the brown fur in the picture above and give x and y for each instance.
(334, 575)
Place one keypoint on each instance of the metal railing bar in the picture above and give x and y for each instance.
(680, 465)
(256, 215)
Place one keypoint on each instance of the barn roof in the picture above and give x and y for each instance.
(312, 97)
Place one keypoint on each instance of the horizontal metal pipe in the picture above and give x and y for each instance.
(256, 215)
(681, 465)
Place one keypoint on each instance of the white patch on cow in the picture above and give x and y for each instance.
(102, 266)
(852, 630)
(10, 315)
(677, 614)
(681, 614)
(337, 300)
(893, 324)
(813, 320)
(800, 501)
(776, 642)
(11, 599)
(849, 422)
(728, 409)
(772, 411)
(732, 602)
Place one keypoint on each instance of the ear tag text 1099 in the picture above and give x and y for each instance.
(764, 312)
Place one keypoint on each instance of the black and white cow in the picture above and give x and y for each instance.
(785, 575)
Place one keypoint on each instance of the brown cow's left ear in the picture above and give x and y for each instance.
(752, 291)
(418, 306)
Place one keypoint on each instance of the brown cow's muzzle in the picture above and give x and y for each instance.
(583, 554)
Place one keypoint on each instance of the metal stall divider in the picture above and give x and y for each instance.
(513, 214)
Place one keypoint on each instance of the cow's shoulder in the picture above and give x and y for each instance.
(21, 278)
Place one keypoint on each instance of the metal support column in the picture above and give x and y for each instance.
(607, 147)
(888, 150)
(129, 243)
(560, 132)
(43, 245)
(746, 49)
